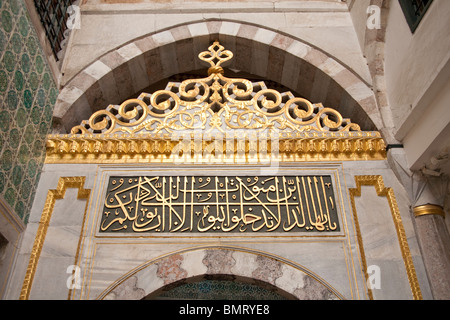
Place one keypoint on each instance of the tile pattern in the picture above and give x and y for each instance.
(220, 290)
(27, 96)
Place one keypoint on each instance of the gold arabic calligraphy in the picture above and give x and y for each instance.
(219, 203)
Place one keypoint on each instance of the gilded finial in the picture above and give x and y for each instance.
(215, 56)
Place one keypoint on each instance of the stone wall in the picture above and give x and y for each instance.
(376, 230)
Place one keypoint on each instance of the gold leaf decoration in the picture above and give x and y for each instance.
(223, 103)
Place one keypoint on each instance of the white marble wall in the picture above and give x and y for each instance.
(308, 266)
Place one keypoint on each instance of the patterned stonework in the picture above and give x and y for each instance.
(169, 269)
(313, 290)
(268, 269)
(128, 290)
(219, 261)
(215, 273)
(27, 97)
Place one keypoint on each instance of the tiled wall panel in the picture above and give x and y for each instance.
(27, 96)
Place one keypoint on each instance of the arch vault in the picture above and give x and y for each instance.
(270, 54)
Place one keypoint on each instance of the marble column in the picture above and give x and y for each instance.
(427, 195)
(434, 240)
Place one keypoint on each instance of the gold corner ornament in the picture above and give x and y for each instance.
(232, 116)
(64, 183)
(382, 191)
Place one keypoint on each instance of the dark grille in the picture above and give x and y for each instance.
(414, 11)
(53, 15)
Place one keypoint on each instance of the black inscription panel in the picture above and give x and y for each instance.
(219, 204)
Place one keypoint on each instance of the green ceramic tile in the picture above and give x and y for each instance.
(41, 98)
(20, 209)
(14, 138)
(25, 63)
(7, 23)
(26, 187)
(24, 154)
(4, 120)
(15, 6)
(32, 45)
(34, 81)
(38, 148)
(36, 180)
(9, 61)
(6, 160)
(2, 182)
(48, 114)
(39, 63)
(21, 117)
(10, 196)
(36, 114)
(12, 100)
(23, 26)
(27, 98)
(29, 134)
(46, 81)
(3, 41)
(16, 43)
(18, 80)
(53, 95)
(17, 174)
(32, 168)
(43, 129)
(3, 81)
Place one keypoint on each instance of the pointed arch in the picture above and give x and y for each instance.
(267, 53)
(181, 266)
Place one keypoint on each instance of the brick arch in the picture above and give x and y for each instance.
(275, 56)
(226, 262)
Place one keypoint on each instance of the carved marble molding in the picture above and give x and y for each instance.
(232, 262)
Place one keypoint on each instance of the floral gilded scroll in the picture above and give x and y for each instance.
(215, 104)
(199, 204)
(149, 128)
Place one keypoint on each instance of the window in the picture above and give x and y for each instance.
(53, 15)
(414, 11)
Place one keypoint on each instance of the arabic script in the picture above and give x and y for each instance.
(220, 204)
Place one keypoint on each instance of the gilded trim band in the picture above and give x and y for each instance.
(428, 209)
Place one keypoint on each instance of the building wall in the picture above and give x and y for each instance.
(414, 59)
(29, 94)
(417, 75)
(309, 265)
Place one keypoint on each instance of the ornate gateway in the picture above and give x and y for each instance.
(218, 176)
